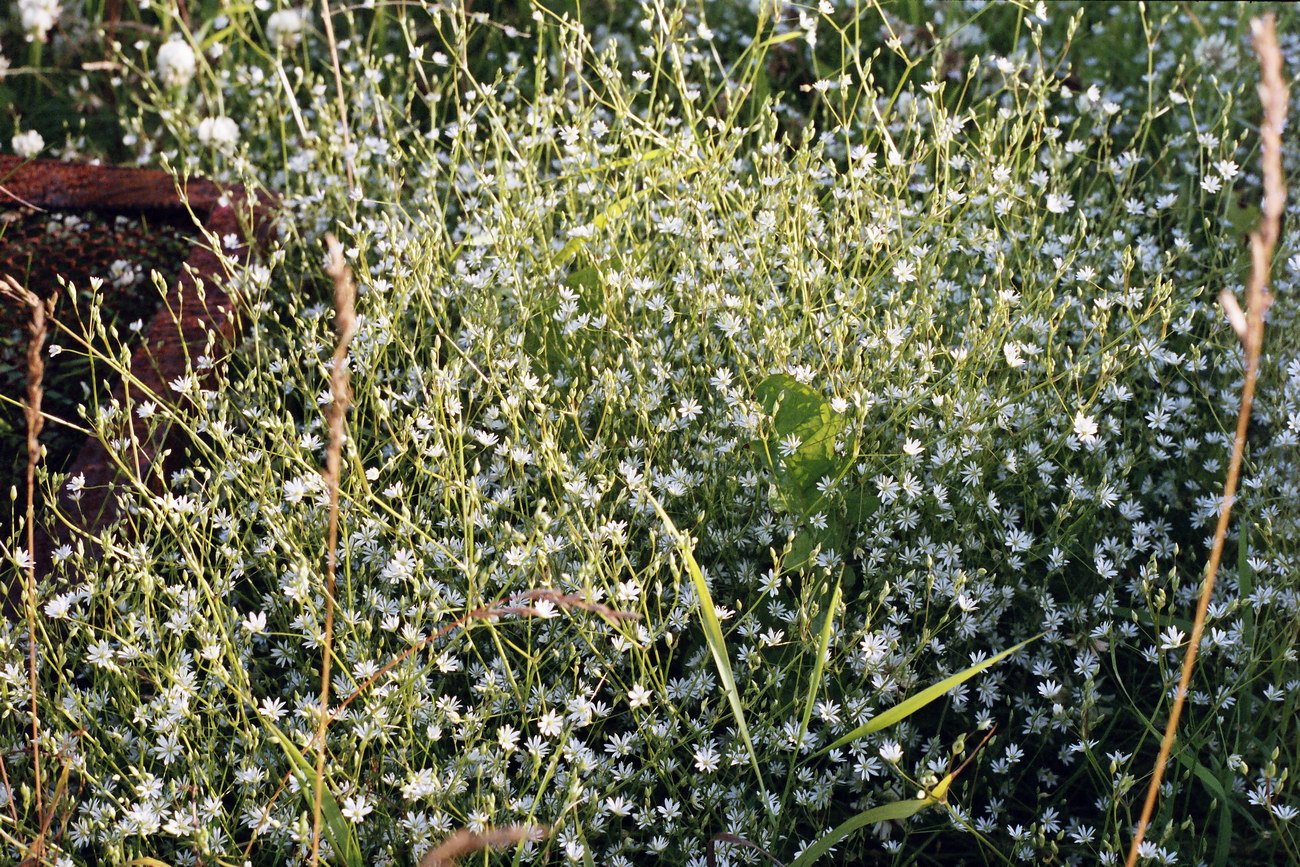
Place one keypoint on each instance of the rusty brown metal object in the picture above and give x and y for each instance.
(197, 310)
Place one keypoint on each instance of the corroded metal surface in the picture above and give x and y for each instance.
(76, 186)
(197, 317)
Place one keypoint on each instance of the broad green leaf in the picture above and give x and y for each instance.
(859, 505)
(801, 550)
(713, 637)
(906, 708)
(800, 412)
(1241, 219)
(896, 810)
(338, 830)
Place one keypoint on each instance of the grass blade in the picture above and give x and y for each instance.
(337, 829)
(885, 812)
(906, 708)
(713, 636)
(815, 681)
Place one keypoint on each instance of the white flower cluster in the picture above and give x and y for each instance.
(38, 18)
(176, 64)
(1003, 403)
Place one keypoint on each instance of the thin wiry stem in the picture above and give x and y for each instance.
(1273, 94)
(345, 293)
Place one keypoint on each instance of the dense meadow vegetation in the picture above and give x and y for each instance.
(843, 345)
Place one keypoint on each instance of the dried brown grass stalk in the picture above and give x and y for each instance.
(345, 293)
(327, 16)
(38, 328)
(465, 842)
(1250, 329)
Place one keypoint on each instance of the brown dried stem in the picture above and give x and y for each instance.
(1273, 94)
(328, 17)
(345, 293)
(38, 328)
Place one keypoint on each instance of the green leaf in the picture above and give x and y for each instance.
(1246, 585)
(906, 708)
(713, 637)
(885, 812)
(338, 830)
(860, 505)
(801, 412)
(1214, 786)
(1241, 219)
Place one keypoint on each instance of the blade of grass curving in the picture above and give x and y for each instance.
(815, 680)
(614, 211)
(337, 829)
(713, 636)
(883, 813)
(909, 706)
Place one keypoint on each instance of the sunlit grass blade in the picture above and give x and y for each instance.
(885, 812)
(819, 667)
(337, 829)
(713, 636)
(906, 708)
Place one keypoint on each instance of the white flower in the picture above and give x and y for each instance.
(1085, 427)
(789, 445)
(707, 759)
(905, 272)
(1059, 203)
(913, 447)
(28, 144)
(1012, 352)
(255, 622)
(638, 696)
(508, 738)
(891, 752)
(284, 28)
(551, 724)
(219, 133)
(38, 18)
(176, 63)
(356, 809)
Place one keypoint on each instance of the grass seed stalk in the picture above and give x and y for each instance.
(345, 293)
(38, 328)
(1250, 329)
